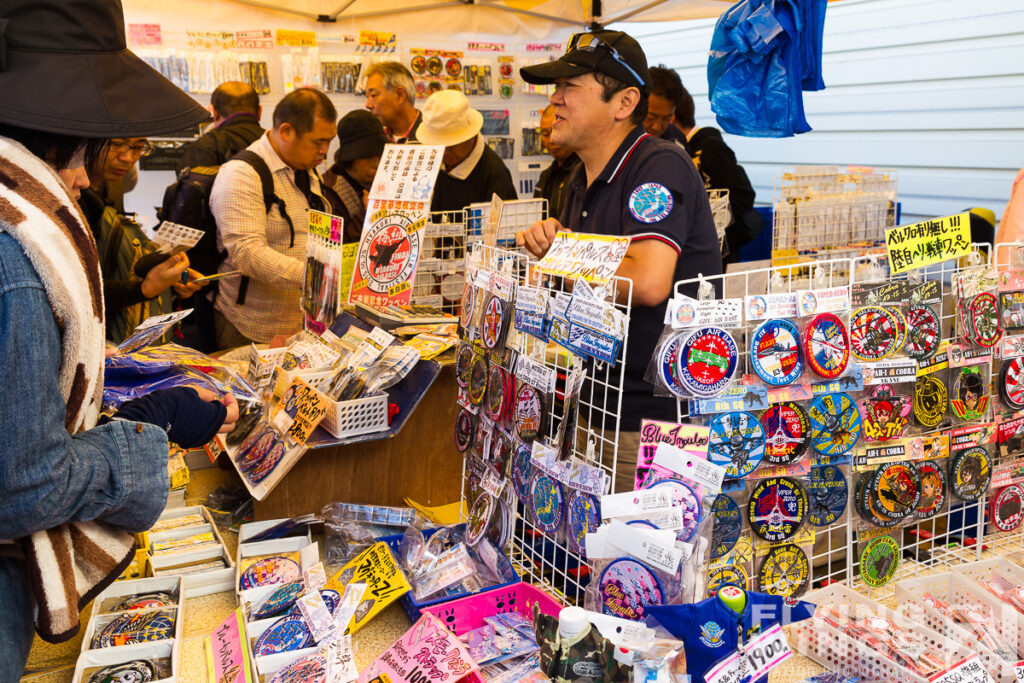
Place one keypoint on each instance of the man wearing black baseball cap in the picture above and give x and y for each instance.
(630, 184)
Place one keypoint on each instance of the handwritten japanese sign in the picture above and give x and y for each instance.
(385, 582)
(296, 38)
(922, 244)
(300, 410)
(690, 438)
(594, 258)
(227, 656)
(427, 652)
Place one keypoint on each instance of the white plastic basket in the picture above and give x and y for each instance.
(954, 589)
(836, 651)
(358, 416)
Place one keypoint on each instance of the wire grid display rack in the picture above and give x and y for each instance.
(516, 214)
(440, 274)
(540, 558)
(823, 208)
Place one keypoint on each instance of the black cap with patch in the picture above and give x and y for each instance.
(613, 53)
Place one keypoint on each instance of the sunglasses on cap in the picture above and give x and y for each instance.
(588, 42)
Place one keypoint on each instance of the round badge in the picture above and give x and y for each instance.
(136, 627)
(933, 489)
(969, 400)
(465, 425)
(479, 517)
(901, 328)
(827, 345)
(529, 413)
(266, 465)
(1006, 509)
(727, 575)
(930, 401)
(835, 423)
(499, 531)
(736, 441)
(468, 300)
(254, 448)
(309, 669)
(388, 253)
(463, 365)
(137, 671)
(970, 472)
(879, 561)
(280, 600)
(786, 429)
(506, 90)
(827, 492)
(775, 352)
(984, 320)
(496, 392)
(1011, 383)
(454, 67)
(548, 503)
(668, 355)
(683, 496)
(501, 448)
(776, 508)
(287, 634)
(785, 571)
(269, 571)
(707, 361)
(419, 65)
(434, 65)
(924, 332)
(650, 203)
(478, 380)
(493, 324)
(727, 525)
(522, 470)
(873, 333)
(895, 489)
(885, 414)
(145, 601)
(627, 588)
(584, 518)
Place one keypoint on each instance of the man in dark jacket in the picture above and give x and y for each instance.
(236, 120)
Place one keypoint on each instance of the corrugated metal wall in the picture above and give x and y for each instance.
(933, 88)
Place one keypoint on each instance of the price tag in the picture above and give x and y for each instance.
(299, 411)
(492, 484)
(968, 671)
(319, 619)
(1018, 671)
(707, 474)
(645, 546)
(341, 661)
(315, 577)
(536, 374)
(348, 604)
(636, 503)
(622, 632)
(758, 657)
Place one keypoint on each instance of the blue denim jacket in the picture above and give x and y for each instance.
(116, 473)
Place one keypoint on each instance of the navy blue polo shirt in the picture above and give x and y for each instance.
(649, 190)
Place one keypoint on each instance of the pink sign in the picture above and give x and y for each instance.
(427, 652)
(227, 657)
(691, 438)
(144, 34)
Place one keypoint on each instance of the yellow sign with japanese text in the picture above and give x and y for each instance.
(385, 582)
(927, 242)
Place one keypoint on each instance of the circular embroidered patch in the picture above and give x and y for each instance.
(736, 441)
(775, 352)
(463, 365)
(468, 303)
(501, 449)
(785, 571)
(901, 328)
(1011, 383)
(983, 316)
(786, 429)
(933, 489)
(548, 502)
(683, 496)
(727, 575)
(930, 401)
(145, 601)
(137, 671)
(867, 507)
(650, 203)
(1006, 510)
(478, 380)
(827, 345)
(827, 493)
(465, 425)
(885, 414)
(309, 669)
(496, 386)
(970, 473)
(499, 531)
(707, 361)
(895, 489)
(255, 448)
(454, 67)
(584, 518)
(136, 627)
(529, 413)
(262, 469)
(280, 600)
(668, 356)
(493, 323)
(627, 588)
(776, 508)
(522, 470)
(479, 517)
(287, 634)
(924, 332)
(969, 400)
(434, 65)
(835, 423)
(874, 331)
(728, 523)
(388, 252)
(879, 561)
(269, 571)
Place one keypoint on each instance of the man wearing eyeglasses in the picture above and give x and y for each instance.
(632, 184)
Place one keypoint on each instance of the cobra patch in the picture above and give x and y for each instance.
(650, 203)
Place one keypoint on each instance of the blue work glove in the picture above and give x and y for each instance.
(188, 420)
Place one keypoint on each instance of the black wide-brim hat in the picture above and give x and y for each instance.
(65, 68)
